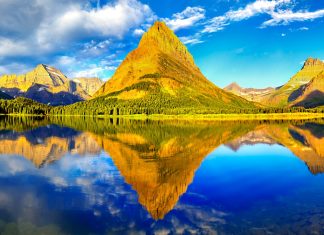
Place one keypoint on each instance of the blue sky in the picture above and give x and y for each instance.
(257, 43)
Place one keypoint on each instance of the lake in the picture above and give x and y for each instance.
(118, 176)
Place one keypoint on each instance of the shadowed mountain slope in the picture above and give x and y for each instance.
(4, 96)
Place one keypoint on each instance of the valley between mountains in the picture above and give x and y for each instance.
(158, 77)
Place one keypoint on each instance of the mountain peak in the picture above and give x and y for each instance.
(233, 86)
(161, 72)
(310, 62)
(161, 38)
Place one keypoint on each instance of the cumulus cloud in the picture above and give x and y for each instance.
(45, 26)
(187, 18)
(9, 47)
(110, 20)
(138, 32)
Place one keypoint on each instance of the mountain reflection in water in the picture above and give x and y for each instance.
(76, 157)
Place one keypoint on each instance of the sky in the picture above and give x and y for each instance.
(256, 43)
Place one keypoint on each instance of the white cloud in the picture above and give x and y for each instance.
(47, 26)
(187, 18)
(284, 17)
(138, 32)
(66, 61)
(215, 24)
(7, 68)
(93, 70)
(191, 40)
(112, 20)
(303, 29)
(283, 35)
(12, 47)
(273, 8)
(256, 8)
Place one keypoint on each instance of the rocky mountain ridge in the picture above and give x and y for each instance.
(48, 85)
(252, 94)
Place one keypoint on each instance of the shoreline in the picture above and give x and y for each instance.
(217, 117)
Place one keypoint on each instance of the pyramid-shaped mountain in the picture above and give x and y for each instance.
(161, 72)
(47, 85)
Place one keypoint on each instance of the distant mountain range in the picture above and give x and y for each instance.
(49, 85)
(305, 88)
(252, 94)
(160, 76)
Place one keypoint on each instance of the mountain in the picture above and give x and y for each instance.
(160, 73)
(47, 85)
(4, 96)
(89, 85)
(311, 94)
(291, 90)
(303, 89)
(252, 94)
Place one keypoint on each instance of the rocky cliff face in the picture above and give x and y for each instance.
(47, 85)
(161, 66)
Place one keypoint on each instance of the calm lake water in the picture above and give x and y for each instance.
(105, 176)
